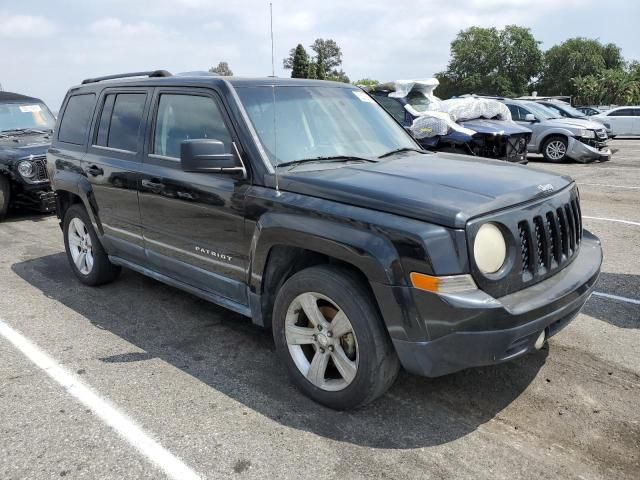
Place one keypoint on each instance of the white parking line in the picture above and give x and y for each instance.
(609, 185)
(171, 465)
(617, 297)
(628, 222)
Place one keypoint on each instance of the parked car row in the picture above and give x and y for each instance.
(305, 206)
(552, 128)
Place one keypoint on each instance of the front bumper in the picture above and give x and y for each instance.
(581, 152)
(41, 198)
(474, 329)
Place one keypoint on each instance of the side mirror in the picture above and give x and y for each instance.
(208, 156)
(530, 117)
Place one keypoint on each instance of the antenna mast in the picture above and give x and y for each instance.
(273, 69)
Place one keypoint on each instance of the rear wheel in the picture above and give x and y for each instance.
(329, 334)
(86, 256)
(555, 149)
(5, 195)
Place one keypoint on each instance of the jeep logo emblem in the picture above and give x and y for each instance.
(547, 187)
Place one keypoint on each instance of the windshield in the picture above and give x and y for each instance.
(418, 101)
(541, 112)
(15, 116)
(305, 122)
(573, 112)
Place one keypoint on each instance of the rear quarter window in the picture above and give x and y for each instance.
(74, 124)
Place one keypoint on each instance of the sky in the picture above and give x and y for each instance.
(48, 46)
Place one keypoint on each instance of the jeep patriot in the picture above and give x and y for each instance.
(305, 206)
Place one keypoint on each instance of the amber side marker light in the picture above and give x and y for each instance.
(444, 284)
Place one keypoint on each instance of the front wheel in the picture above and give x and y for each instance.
(86, 256)
(555, 149)
(329, 334)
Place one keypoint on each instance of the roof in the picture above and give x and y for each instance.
(16, 97)
(196, 78)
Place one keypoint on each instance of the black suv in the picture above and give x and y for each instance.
(303, 205)
(25, 130)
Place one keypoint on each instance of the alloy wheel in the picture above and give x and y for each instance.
(321, 341)
(80, 246)
(556, 149)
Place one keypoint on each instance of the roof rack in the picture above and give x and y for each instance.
(152, 73)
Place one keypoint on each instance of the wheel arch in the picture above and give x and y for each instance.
(551, 134)
(282, 245)
(72, 188)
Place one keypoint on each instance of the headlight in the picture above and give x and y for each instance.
(489, 248)
(587, 134)
(26, 169)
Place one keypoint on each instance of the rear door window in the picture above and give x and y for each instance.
(623, 112)
(126, 119)
(75, 119)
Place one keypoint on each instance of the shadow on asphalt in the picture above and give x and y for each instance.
(615, 312)
(228, 353)
(22, 215)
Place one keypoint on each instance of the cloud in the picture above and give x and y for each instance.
(379, 39)
(112, 26)
(25, 26)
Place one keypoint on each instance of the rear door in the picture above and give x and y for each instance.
(193, 222)
(635, 130)
(112, 165)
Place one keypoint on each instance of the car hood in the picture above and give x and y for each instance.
(503, 127)
(13, 149)
(442, 188)
(573, 123)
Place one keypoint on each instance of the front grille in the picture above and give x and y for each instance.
(512, 148)
(549, 240)
(516, 146)
(542, 237)
(40, 166)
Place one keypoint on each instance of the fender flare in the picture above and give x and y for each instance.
(374, 255)
(80, 186)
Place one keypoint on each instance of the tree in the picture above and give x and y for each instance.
(222, 69)
(300, 63)
(311, 70)
(491, 61)
(338, 76)
(321, 66)
(331, 52)
(573, 58)
(366, 82)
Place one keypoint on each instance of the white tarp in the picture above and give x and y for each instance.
(439, 117)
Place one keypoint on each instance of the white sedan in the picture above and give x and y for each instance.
(620, 120)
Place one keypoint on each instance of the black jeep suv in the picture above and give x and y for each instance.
(303, 205)
(25, 130)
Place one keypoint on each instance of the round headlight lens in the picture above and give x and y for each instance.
(26, 169)
(489, 248)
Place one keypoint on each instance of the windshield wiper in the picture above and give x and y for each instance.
(20, 131)
(403, 149)
(333, 158)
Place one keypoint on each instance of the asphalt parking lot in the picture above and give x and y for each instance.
(205, 384)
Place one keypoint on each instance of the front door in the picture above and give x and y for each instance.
(112, 165)
(193, 222)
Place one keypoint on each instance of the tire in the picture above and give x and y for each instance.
(369, 364)
(81, 241)
(555, 149)
(5, 196)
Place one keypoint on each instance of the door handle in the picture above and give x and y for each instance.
(94, 171)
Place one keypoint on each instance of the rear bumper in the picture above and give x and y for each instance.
(481, 330)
